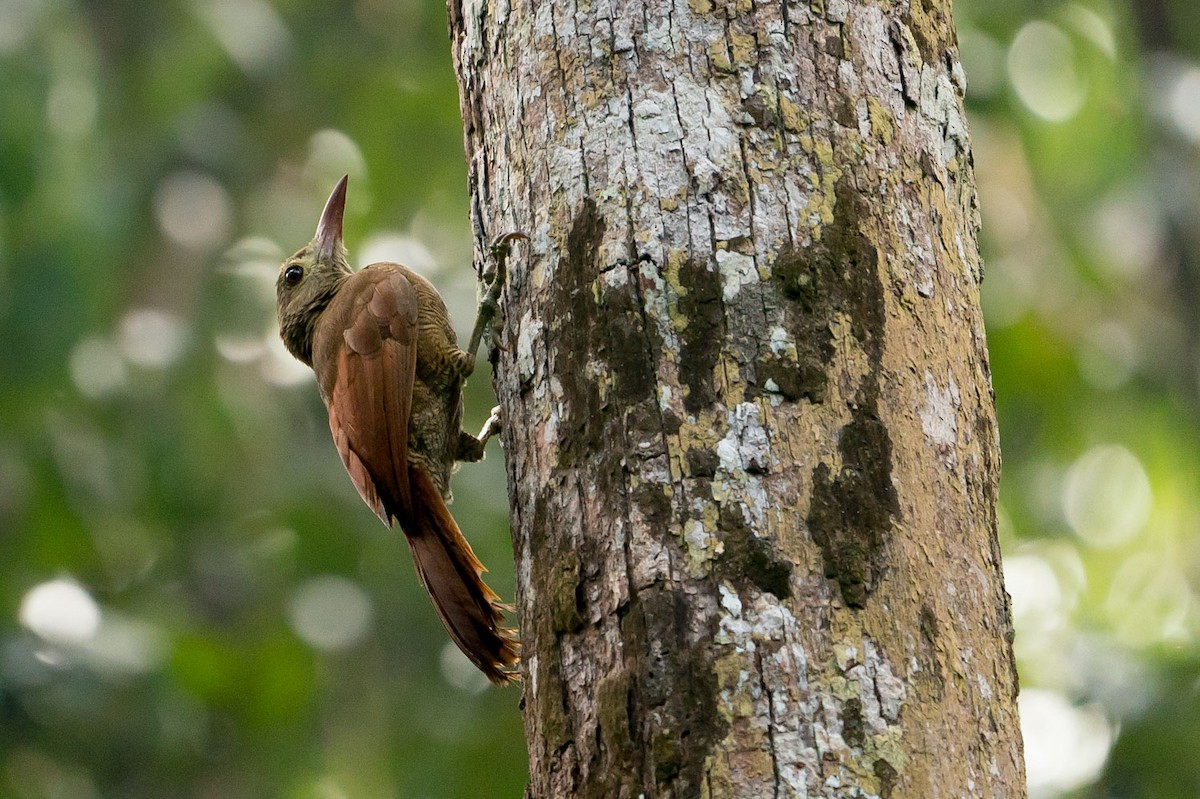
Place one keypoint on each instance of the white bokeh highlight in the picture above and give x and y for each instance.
(1106, 496)
(193, 210)
(97, 368)
(151, 338)
(60, 611)
(251, 32)
(1044, 73)
(330, 613)
(1065, 745)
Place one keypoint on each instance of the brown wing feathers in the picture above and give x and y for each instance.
(370, 401)
(372, 396)
(355, 467)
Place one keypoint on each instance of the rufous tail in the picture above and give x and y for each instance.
(471, 612)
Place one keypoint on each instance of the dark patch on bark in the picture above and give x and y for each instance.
(616, 733)
(748, 558)
(846, 114)
(678, 698)
(856, 263)
(625, 343)
(644, 428)
(985, 434)
(557, 571)
(671, 423)
(608, 325)
(702, 462)
(931, 672)
(808, 285)
(888, 777)
(833, 46)
(587, 422)
(929, 626)
(654, 504)
(551, 702)
(793, 381)
(761, 112)
(563, 566)
(1010, 636)
(851, 513)
(700, 341)
(566, 596)
(852, 723)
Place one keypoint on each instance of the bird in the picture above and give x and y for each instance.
(391, 374)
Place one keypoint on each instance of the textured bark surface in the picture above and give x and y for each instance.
(750, 438)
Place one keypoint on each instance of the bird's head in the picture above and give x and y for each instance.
(316, 268)
(308, 279)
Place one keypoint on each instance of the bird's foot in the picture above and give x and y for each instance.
(500, 249)
(492, 426)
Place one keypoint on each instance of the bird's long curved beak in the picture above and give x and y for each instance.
(329, 229)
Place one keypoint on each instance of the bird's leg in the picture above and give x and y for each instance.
(493, 281)
(470, 448)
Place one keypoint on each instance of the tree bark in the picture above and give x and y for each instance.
(750, 438)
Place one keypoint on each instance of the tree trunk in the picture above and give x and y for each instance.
(750, 437)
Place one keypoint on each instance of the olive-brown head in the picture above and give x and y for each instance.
(309, 279)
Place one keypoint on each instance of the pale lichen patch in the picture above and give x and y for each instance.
(939, 413)
(737, 270)
(782, 343)
(702, 547)
(837, 10)
(531, 331)
(746, 448)
(941, 106)
(883, 692)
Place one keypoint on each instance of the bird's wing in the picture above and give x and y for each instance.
(368, 340)
(369, 333)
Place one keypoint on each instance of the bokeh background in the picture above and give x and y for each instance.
(193, 601)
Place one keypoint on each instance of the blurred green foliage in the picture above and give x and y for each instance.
(258, 633)
(193, 601)
(1085, 128)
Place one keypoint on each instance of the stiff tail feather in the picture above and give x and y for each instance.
(471, 612)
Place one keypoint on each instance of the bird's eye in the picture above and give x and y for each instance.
(292, 274)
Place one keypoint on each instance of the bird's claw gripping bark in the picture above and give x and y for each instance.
(499, 249)
(492, 426)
